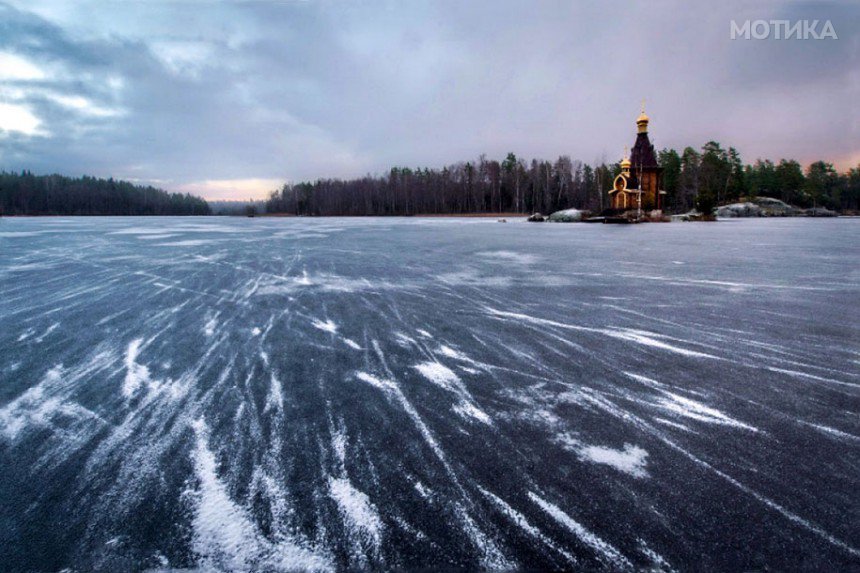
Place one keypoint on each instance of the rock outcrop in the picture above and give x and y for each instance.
(771, 207)
(688, 216)
(820, 212)
(747, 209)
(568, 216)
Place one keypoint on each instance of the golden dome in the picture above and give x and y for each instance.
(625, 161)
(642, 120)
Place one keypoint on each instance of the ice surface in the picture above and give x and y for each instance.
(254, 394)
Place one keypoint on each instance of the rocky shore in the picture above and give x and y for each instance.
(770, 207)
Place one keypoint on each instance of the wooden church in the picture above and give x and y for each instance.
(638, 185)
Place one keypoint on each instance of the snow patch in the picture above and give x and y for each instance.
(520, 520)
(672, 424)
(156, 237)
(440, 375)
(833, 431)
(637, 336)
(455, 354)
(136, 375)
(688, 408)
(48, 331)
(380, 383)
(606, 552)
(403, 340)
(211, 323)
(324, 283)
(325, 326)
(275, 399)
(796, 373)
(352, 344)
(359, 514)
(472, 278)
(468, 409)
(422, 490)
(491, 556)
(187, 243)
(14, 234)
(658, 562)
(393, 391)
(508, 257)
(138, 231)
(225, 536)
(645, 380)
(338, 443)
(33, 407)
(445, 378)
(631, 460)
(49, 399)
(640, 338)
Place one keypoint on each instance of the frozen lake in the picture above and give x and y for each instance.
(326, 394)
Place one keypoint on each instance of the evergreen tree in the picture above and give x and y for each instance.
(737, 186)
(851, 189)
(822, 184)
(761, 178)
(789, 180)
(670, 161)
(714, 174)
(688, 181)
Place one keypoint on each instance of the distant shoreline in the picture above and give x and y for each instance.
(435, 215)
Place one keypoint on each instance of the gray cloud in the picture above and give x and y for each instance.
(227, 99)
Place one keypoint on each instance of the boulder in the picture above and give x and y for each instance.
(536, 218)
(747, 209)
(771, 207)
(567, 216)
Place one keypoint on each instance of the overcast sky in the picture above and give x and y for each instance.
(231, 99)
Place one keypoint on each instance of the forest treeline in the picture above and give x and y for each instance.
(27, 194)
(693, 178)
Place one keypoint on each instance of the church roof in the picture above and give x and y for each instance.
(643, 154)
